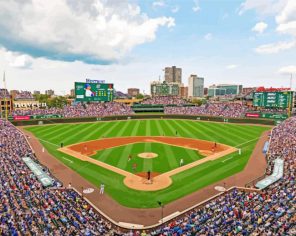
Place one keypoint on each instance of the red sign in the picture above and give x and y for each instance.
(271, 89)
(21, 117)
(256, 115)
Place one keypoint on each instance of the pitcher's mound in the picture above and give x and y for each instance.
(147, 155)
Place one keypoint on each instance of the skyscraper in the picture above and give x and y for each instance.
(173, 75)
(195, 86)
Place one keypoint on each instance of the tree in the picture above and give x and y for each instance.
(197, 102)
(58, 101)
(140, 96)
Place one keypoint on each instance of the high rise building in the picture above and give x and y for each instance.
(36, 92)
(173, 75)
(49, 92)
(72, 92)
(195, 86)
(133, 92)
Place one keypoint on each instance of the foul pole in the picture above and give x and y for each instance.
(5, 96)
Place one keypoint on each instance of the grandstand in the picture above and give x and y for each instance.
(29, 208)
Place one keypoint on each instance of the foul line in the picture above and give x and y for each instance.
(227, 159)
(48, 142)
(247, 142)
(67, 160)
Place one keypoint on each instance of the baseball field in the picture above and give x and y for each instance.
(187, 155)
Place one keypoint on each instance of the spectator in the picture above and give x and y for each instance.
(234, 110)
(165, 100)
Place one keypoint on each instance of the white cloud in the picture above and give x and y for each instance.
(16, 60)
(287, 28)
(288, 13)
(260, 27)
(284, 13)
(175, 9)
(158, 3)
(196, 6)
(92, 30)
(275, 47)
(208, 37)
(262, 7)
(231, 67)
(287, 70)
(286, 19)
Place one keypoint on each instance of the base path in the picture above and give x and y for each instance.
(254, 169)
(211, 150)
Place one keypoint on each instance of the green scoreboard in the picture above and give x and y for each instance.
(164, 89)
(273, 99)
(90, 92)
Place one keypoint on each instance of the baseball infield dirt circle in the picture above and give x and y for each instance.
(211, 150)
(147, 155)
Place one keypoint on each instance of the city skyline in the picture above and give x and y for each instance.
(130, 43)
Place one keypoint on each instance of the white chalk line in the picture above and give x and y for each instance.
(67, 160)
(48, 142)
(227, 159)
(247, 142)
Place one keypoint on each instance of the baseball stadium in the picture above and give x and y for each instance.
(147, 118)
(113, 169)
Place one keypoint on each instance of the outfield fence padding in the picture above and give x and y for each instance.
(143, 116)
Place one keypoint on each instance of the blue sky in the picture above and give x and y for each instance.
(249, 42)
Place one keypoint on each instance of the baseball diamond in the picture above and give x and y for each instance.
(106, 152)
(147, 118)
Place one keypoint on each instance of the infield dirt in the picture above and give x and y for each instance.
(106, 204)
(211, 150)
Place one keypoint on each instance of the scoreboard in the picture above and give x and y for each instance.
(164, 89)
(273, 99)
(89, 92)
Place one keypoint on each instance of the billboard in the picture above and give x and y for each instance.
(272, 99)
(90, 92)
(267, 115)
(49, 116)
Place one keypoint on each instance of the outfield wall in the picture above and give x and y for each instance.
(144, 116)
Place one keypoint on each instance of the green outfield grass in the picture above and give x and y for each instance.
(241, 136)
(168, 157)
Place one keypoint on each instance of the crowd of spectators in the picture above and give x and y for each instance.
(165, 100)
(22, 95)
(267, 212)
(28, 209)
(234, 110)
(81, 110)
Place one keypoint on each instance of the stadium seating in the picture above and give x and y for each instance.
(81, 110)
(29, 209)
(234, 110)
(165, 100)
